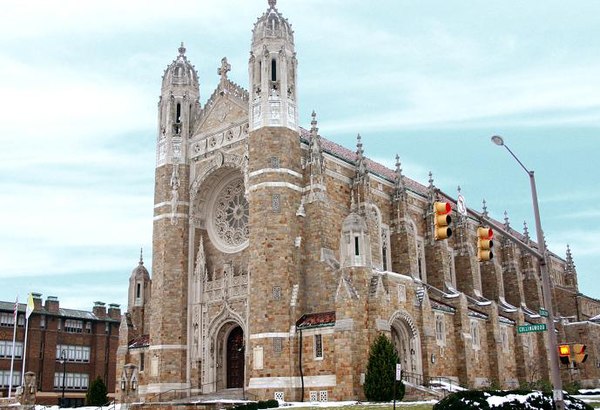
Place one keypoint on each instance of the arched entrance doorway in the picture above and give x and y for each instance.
(408, 346)
(235, 358)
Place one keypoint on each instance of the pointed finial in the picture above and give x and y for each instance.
(398, 169)
(358, 144)
(570, 268)
(313, 123)
(181, 49)
(526, 231)
(224, 69)
(506, 221)
(458, 189)
(272, 3)
(430, 179)
(484, 207)
(141, 256)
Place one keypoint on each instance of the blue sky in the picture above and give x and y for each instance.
(429, 80)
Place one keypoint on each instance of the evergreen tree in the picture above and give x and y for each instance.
(381, 372)
(97, 394)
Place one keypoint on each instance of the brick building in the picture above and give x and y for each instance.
(279, 256)
(89, 341)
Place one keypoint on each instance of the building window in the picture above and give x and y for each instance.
(440, 330)
(138, 290)
(88, 327)
(421, 260)
(475, 341)
(7, 319)
(279, 396)
(314, 395)
(274, 162)
(72, 381)
(5, 378)
(74, 353)
(142, 357)
(73, 326)
(6, 349)
(318, 347)
(323, 395)
(273, 70)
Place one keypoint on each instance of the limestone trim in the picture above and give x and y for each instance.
(275, 185)
(292, 382)
(167, 347)
(269, 335)
(182, 203)
(318, 331)
(276, 171)
(169, 216)
(162, 387)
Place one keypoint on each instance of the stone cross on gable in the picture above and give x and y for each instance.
(222, 71)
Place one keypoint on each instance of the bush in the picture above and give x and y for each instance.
(381, 372)
(271, 404)
(97, 394)
(262, 404)
(476, 399)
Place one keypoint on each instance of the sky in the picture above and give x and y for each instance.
(431, 81)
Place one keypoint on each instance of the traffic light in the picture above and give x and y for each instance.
(441, 220)
(579, 354)
(484, 244)
(564, 352)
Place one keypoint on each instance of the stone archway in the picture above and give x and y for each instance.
(230, 356)
(405, 338)
(235, 358)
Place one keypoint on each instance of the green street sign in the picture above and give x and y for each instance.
(543, 312)
(532, 328)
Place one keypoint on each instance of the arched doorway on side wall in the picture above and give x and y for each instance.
(408, 346)
(235, 358)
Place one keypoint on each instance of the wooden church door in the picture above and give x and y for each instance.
(235, 358)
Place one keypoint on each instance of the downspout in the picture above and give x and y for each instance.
(300, 365)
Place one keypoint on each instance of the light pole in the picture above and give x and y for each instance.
(551, 333)
(63, 361)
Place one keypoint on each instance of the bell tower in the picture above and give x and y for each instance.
(275, 186)
(177, 110)
(272, 71)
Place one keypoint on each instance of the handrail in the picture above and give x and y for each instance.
(429, 381)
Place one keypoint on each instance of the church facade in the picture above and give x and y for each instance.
(279, 256)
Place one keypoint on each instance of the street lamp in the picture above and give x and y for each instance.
(63, 360)
(552, 345)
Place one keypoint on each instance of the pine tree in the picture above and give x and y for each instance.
(381, 372)
(97, 394)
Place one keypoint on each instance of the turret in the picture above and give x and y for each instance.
(272, 71)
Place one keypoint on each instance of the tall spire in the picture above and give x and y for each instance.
(181, 49)
(141, 256)
(272, 3)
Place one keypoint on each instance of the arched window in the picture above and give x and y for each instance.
(273, 70)
(440, 329)
(178, 113)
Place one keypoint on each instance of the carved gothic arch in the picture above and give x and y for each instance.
(407, 341)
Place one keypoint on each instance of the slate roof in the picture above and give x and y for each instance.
(139, 342)
(314, 320)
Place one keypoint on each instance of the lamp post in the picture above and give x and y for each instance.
(551, 334)
(63, 360)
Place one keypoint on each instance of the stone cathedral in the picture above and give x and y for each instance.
(279, 256)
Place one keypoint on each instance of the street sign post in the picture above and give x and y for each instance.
(540, 327)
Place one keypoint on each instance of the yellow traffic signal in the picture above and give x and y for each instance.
(441, 220)
(579, 354)
(484, 244)
(564, 352)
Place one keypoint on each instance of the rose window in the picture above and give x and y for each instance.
(230, 216)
